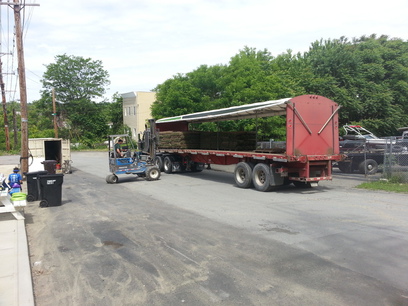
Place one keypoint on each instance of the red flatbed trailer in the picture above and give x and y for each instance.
(312, 144)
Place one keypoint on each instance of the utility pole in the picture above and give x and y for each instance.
(15, 127)
(17, 7)
(3, 95)
(54, 113)
(23, 89)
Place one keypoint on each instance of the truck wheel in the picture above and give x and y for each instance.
(243, 175)
(152, 173)
(368, 166)
(168, 164)
(158, 161)
(261, 177)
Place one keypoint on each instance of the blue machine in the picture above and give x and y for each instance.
(124, 159)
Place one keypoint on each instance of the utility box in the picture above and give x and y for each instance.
(44, 149)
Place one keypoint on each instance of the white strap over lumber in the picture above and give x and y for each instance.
(254, 110)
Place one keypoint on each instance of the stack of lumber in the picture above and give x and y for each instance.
(229, 141)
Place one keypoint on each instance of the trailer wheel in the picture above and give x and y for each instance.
(111, 179)
(261, 177)
(158, 161)
(152, 173)
(368, 166)
(243, 175)
(168, 164)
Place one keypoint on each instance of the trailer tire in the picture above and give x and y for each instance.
(152, 173)
(369, 166)
(168, 164)
(261, 177)
(158, 161)
(243, 175)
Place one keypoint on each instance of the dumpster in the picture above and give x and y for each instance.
(50, 166)
(51, 189)
(33, 185)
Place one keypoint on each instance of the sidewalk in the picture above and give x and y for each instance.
(15, 272)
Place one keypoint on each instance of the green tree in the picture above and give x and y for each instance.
(368, 76)
(75, 78)
(76, 81)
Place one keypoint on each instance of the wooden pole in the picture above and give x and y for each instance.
(54, 113)
(15, 128)
(23, 88)
(3, 95)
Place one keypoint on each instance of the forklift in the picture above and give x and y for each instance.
(131, 161)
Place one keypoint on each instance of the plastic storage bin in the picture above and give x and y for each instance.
(51, 189)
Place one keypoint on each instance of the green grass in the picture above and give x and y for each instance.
(385, 185)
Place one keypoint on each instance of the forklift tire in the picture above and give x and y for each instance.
(152, 173)
(368, 166)
(111, 179)
(168, 164)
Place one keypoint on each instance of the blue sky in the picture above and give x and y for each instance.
(141, 43)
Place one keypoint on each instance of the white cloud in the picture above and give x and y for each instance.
(144, 42)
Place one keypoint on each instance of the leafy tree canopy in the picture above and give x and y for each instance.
(367, 76)
(75, 78)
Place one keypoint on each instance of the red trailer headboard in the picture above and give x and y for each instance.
(312, 126)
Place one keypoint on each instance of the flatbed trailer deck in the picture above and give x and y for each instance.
(312, 144)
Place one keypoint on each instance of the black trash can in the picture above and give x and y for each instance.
(51, 189)
(33, 185)
(50, 166)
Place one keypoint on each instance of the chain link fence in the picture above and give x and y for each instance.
(385, 157)
(395, 165)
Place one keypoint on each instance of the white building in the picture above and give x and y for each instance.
(136, 110)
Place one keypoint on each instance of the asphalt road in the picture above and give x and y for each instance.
(196, 239)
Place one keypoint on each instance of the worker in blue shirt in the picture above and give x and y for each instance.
(15, 177)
